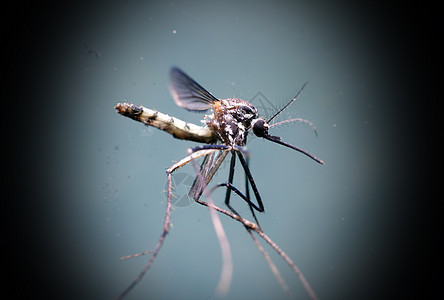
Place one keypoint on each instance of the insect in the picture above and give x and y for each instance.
(225, 133)
(232, 120)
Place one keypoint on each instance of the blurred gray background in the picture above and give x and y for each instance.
(91, 182)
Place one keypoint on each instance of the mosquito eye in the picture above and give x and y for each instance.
(260, 128)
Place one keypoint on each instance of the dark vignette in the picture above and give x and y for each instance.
(412, 30)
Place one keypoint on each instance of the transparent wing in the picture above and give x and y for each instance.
(210, 165)
(188, 93)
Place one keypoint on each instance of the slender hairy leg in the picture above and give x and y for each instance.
(208, 168)
(247, 186)
(253, 186)
(230, 181)
(250, 179)
(247, 192)
(205, 168)
(239, 193)
(273, 267)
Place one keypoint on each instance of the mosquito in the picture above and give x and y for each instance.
(224, 133)
(232, 120)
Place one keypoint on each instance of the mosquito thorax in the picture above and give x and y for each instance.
(260, 127)
(232, 119)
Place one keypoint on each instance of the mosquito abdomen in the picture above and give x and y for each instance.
(174, 126)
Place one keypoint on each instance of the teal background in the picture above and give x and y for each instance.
(91, 182)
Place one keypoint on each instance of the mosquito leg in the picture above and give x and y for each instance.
(250, 179)
(247, 186)
(166, 223)
(166, 229)
(230, 181)
(236, 190)
(197, 186)
(253, 186)
(231, 187)
(208, 168)
(227, 267)
(251, 226)
(244, 151)
(247, 192)
(208, 147)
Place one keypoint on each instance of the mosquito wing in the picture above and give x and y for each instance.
(210, 165)
(188, 93)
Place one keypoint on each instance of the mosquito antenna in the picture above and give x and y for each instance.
(288, 104)
(278, 140)
(311, 124)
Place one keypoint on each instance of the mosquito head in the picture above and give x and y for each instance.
(260, 127)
